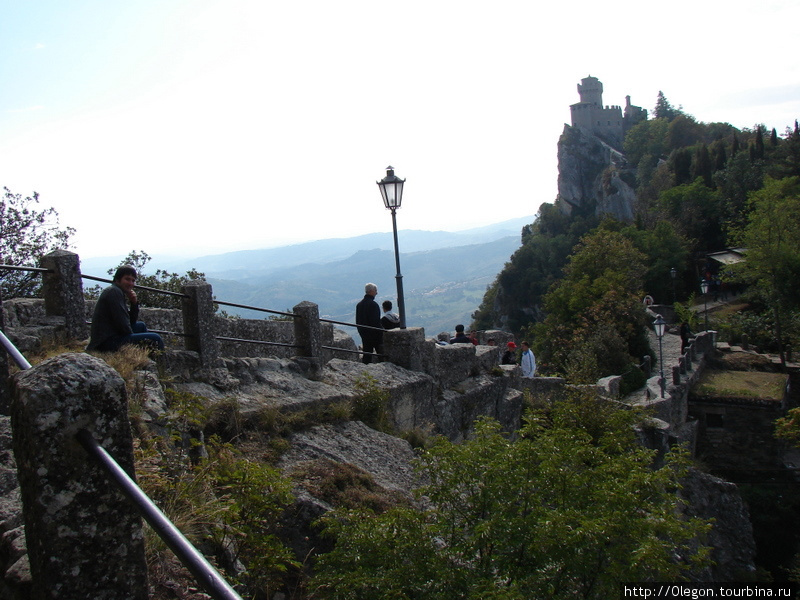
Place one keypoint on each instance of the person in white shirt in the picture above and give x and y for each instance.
(527, 361)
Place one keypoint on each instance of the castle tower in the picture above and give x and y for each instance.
(606, 122)
(590, 90)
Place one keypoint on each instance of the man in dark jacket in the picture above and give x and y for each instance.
(113, 323)
(368, 314)
(460, 337)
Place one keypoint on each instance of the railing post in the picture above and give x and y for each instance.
(198, 321)
(5, 394)
(408, 348)
(84, 538)
(63, 291)
(308, 335)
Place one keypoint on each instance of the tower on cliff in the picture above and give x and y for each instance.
(606, 122)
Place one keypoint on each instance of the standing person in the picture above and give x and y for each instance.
(368, 314)
(389, 320)
(685, 334)
(460, 338)
(510, 355)
(113, 323)
(527, 361)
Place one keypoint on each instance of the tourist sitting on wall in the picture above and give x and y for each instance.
(114, 324)
(460, 338)
(389, 320)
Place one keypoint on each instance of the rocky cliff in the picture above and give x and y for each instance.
(592, 176)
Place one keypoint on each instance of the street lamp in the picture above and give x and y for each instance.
(705, 286)
(392, 192)
(660, 325)
(673, 272)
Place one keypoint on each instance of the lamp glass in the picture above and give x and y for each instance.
(704, 285)
(391, 189)
(392, 192)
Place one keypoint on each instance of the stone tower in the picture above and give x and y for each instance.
(590, 90)
(605, 122)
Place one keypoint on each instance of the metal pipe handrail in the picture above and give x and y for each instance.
(335, 349)
(32, 269)
(352, 324)
(21, 361)
(191, 558)
(140, 287)
(275, 312)
(230, 339)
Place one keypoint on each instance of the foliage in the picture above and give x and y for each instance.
(231, 501)
(532, 269)
(695, 211)
(788, 428)
(569, 509)
(685, 313)
(772, 239)
(371, 404)
(161, 280)
(595, 319)
(26, 234)
(664, 249)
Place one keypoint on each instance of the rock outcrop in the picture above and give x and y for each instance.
(591, 174)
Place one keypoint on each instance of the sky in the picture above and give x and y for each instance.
(195, 127)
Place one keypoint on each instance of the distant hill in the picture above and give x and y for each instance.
(246, 264)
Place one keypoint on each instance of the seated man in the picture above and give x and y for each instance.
(389, 320)
(113, 324)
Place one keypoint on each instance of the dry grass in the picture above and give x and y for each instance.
(344, 485)
(741, 384)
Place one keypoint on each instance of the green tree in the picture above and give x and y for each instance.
(595, 322)
(665, 110)
(696, 212)
(772, 239)
(161, 280)
(26, 234)
(569, 509)
(664, 250)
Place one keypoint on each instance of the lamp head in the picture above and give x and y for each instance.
(391, 188)
(659, 325)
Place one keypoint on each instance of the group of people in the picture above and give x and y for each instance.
(527, 360)
(371, 325)
(115, 323)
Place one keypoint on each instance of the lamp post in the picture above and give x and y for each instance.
(659, 325)
(673, 272)
(705, 285)
(392, 192)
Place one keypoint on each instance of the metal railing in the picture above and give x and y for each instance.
(220, 303)
(205, 574)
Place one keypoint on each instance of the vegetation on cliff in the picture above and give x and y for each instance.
(700, 187)
(568, 509)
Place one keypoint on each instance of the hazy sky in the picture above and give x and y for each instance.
(198, 126)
